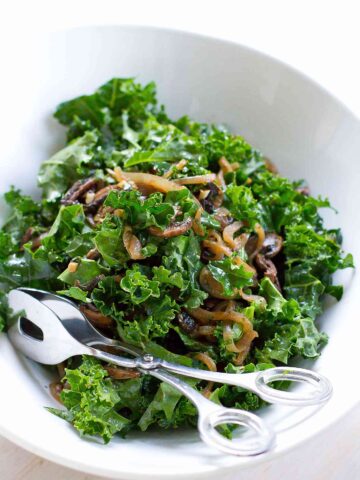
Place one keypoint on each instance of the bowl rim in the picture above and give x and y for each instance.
(80, 466)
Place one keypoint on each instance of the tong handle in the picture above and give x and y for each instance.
(212, 415)
(318, 388)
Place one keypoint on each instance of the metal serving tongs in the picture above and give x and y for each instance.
(50, 329)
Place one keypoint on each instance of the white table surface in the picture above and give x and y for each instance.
(320, 38)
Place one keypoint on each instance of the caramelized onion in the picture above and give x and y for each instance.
(205, 330)
(148, 183)
(205, 316)
(55, 389)
(197, 179)
(215, 244)
(211, 365)
(253, 298)
(260, 239)
(244, 345)
(228, 234)
(239, 261)
(228, 339)
(96, 318)
(225, 165)
(118, 373)
(196, 225)
(175, 229)
(132, 244)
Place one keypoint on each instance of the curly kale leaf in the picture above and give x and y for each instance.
(155, 210)
(230, 275)
(92, 402)
(109, 242)
(58, 173)
(311, 258)
(284, 330)
(182, 254)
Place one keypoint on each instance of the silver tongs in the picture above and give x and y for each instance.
(50, 329)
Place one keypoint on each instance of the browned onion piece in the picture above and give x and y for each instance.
(239, 261)
(132, 244)
(228, 339)
(205, 316)
(118, 373)
(220, 180)
(196, 225)
(148, 183)
(260, 239)
(55, 389)
(205, 330)
(96, 318)
(228, 234)
(211, 365)
(244, 345)
(206, 360)
(272, 245)
(175, 229)
(197, 179)
(215, 244)
(225, 165)
(218, 251)
(253, 298)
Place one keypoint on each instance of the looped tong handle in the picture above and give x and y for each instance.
(319, 392)
(261, 440)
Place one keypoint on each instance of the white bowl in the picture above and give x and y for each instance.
(296, 123)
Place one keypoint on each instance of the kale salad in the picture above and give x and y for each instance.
(177, 237)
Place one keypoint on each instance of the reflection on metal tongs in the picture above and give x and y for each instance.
(51, 329)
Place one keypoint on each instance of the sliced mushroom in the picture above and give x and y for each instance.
(78, 190)
(268, 268)
(213, 199)
(272, 245)
(175, 229)
(223, 216)
(100, 197)
(91, 284)
(186, 322)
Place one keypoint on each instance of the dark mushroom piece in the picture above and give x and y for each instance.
(186, 322)
(268, 268)
(175, 229)
(91, 284)
(222, 215)
(79, 189)
(272, 245)
(100, 197)
(213, 199)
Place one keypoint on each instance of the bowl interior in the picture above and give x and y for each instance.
(306, 132)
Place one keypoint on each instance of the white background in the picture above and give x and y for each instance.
(320, 38)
